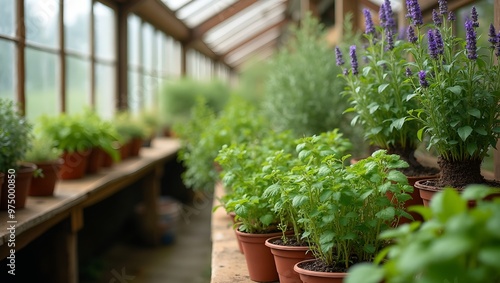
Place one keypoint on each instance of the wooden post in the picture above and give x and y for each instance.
(342, 8)
(183, 59)
(151, 187)
(62, 59)
(20, 51)
(121, 60)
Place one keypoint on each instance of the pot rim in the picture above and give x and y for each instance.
(303, 271)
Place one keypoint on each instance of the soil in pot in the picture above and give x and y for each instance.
(286, 255)
(259, 259)
(45, 184)
(314, 271)
(18, 192)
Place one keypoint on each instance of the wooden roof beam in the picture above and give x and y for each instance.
(220, 17)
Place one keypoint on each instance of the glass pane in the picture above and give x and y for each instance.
(77, 85)
(134, 25)
(7, 18)
(104, 29)
(41, 22)
(160, 54)
(105, 90)
(135, 91)
(147, 47)
(7, 69)
(76, 25)
(150, 88)
(201, 10)
(42, 94)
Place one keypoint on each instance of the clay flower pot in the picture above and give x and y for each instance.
(95, 160)
(285, 258)
(75, 164)
(308, 276)
(260, 260)
(18, 190)
(135, 147)
(45, 185)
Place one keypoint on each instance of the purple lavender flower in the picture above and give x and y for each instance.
(414, 12)
(345, 72)
(339, 56)
(493, 38)
(423, 80)
(390, 39)
(354, 59)
(433, 49)
(408, 72)
(382, 15)
(389, 16)
(470, 37)
(451, 16)
(439, 41)
(402, 34)
(443, 7)
(370, 29)
(436, 18)
(474, 17)
(411, 35)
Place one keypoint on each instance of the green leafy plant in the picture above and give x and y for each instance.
(458, 90)
(380, 92)
(128, 127)
(104, 133)
(344, 208)
(285, 169)
(15, 136)
(179, 97)
(244, 169)
(69, 133)
(42, 150)
(454, 244)
(206, 132)
(302, 90)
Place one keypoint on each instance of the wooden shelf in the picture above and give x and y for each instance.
(72, 196)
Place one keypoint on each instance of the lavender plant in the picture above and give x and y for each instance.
(458, 90)
(380, 92)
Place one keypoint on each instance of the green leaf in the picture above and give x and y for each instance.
(382, 87)
(446, 204)
(455, 89)
(481, 131)
(420, 134)
(464, 132)
(366, 273)
(397, 176)
(267, 219)
(474, 112)
(490, 256)
(387, 213)
(398, 123)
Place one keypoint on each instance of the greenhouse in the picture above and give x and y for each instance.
(223, 141)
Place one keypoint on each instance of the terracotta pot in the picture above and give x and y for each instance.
(308, 276)
(125, 150)
(94, 162)
(17, 190)
(416, 199)
(285, 258)
(260, 260)
(232, 215)
(107, 160)
(75, 164)
(135, 146)
(44, 186)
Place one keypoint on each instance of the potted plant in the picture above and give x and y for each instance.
(285, 171)
(132, 134)
(48, 160)
(151, 121)
(104, 136)
(15, 140)
(454, 244)
(242, 171)
(381, 94)
(71, 135)
(457, 86)
(344, 208)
